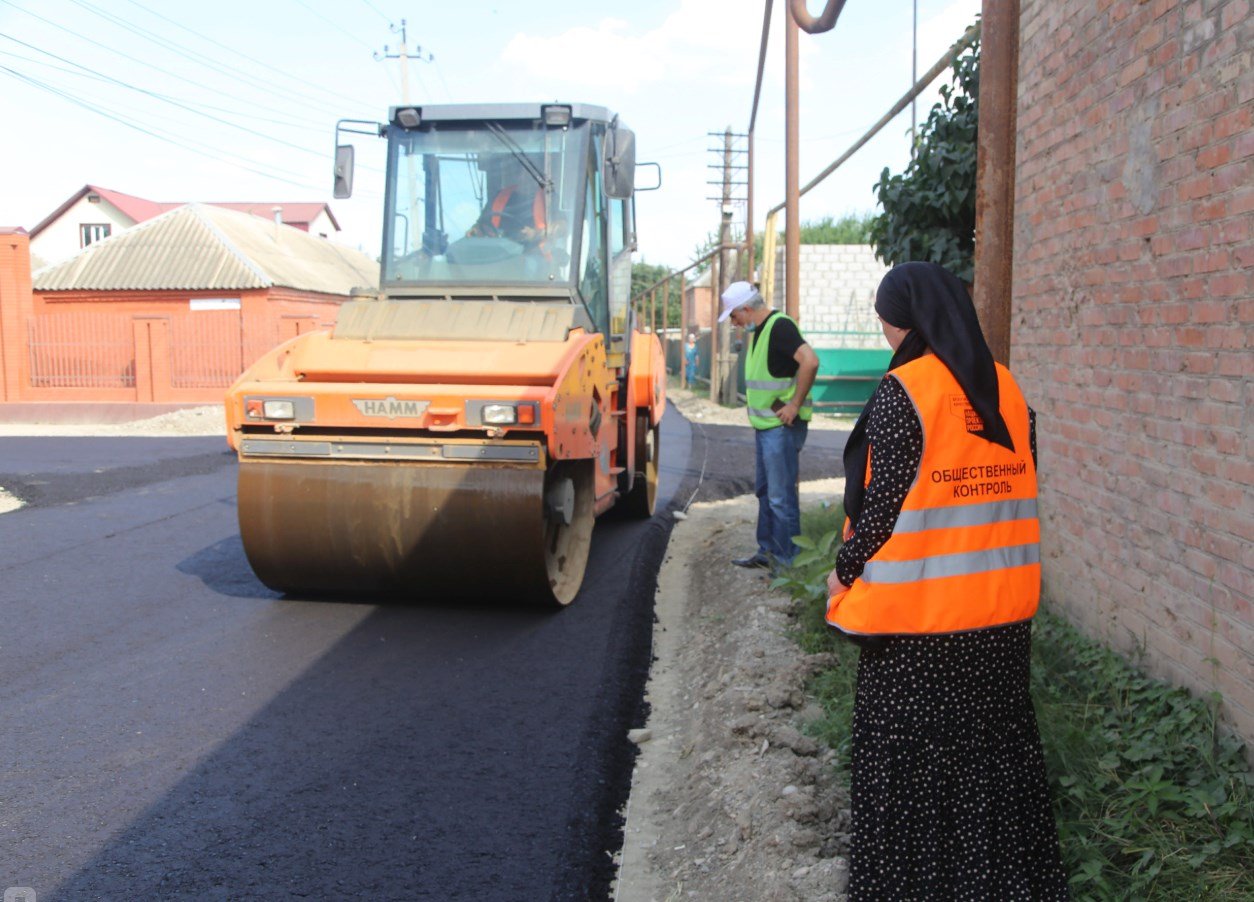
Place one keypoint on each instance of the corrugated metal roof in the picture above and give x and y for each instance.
(200, 247)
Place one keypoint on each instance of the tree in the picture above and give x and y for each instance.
(852, 228)
(929, 210)
(643, 275)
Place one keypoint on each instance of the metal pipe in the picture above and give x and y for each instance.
(683, 333)
(715, 381)
(920, 86)
(747, 266)
(753, 118)
(792, 197)
(995, 173)
(811, 25)
(757, 86)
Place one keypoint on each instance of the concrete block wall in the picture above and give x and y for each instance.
(1133, 325)
(838, 283)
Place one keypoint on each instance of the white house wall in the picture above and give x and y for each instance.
(59, 240)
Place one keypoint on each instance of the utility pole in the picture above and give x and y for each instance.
(402, 54)
(733, 192)
(411, 172)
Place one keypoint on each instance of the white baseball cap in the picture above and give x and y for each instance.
(737, 295)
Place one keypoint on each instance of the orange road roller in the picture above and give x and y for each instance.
(464, 423)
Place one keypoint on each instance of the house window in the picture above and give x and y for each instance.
(92, 231)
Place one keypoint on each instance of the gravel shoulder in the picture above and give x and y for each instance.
(730, 799)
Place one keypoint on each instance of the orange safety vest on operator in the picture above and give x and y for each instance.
(502, 199)
(964, 553)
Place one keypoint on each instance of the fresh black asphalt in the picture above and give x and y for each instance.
(173, 729)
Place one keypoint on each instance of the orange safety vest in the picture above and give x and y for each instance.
(502, 198)
(964, 553)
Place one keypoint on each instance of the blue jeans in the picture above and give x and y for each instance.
(778, 468)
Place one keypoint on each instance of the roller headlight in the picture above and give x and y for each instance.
(500, 414)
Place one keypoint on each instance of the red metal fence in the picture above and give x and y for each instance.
(81, 349)
(87, 355)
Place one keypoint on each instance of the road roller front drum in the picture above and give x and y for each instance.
(417, 530)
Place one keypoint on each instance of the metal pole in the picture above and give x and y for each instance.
(748, 266)
(970, 35)
(914, 74)
(715, 381)
(792, 202)
(666, 293)
(995, 173)
(683, 331)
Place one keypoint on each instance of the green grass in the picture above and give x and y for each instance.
(1152, 799)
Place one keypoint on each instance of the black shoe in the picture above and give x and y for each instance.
(754, 560)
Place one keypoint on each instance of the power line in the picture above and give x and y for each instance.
(339, 28)
(448, 95)
(217, 157)
(243, 56)
(169, 100)
(194, 56)
(80, 73)
(117, 52)
(376, 9)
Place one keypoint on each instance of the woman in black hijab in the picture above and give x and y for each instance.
(949, 795)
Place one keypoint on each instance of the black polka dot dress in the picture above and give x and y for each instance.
(949, 793)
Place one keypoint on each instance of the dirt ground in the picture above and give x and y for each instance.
(730, 800)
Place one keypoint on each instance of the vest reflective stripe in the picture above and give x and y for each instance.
(941, 565)
(762, 389)
(955, 561)
(967, 515)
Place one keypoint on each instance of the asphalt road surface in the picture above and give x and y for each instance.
(173, 729)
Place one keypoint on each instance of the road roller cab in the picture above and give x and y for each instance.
(465, 421)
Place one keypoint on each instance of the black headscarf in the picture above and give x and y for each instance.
(935, 306)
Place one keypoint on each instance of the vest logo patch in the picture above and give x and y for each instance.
(959, 406)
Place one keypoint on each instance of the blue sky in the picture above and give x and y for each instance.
(237, 101)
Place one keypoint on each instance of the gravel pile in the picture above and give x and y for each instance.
(207, 420)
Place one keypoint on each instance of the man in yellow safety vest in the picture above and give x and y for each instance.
(779, 371)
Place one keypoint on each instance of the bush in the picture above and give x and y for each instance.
(929, 211)
(1152, 800)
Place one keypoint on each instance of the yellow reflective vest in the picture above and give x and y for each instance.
(764, 393)
(964, 553)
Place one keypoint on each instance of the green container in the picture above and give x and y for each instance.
(847, 377)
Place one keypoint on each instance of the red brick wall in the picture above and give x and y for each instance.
(1132, 326)
(15, 307)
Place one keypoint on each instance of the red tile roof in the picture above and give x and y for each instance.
(298, 213)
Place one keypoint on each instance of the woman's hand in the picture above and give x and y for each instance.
(834, 585)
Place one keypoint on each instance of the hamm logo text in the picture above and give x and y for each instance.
(389, 407)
